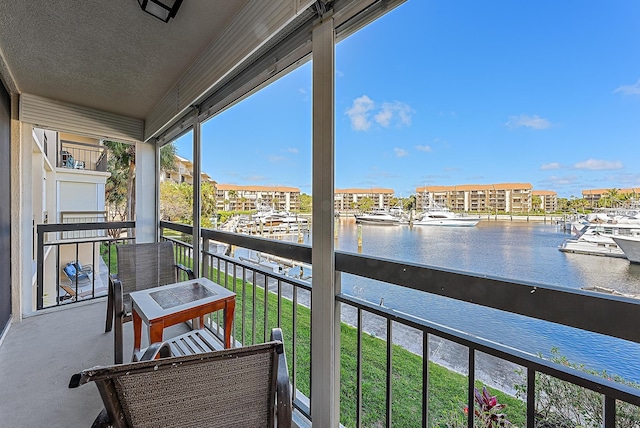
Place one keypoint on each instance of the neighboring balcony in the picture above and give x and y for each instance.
(82, 156)
(382, 383)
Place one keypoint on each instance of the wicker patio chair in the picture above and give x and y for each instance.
(241, 387)
(140, 266)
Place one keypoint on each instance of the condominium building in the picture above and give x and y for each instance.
(548, 199)
(183, 173)
(505, 197)
(232, 197)
(593, 196)
(347, 199)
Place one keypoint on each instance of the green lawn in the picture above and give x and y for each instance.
(447, 389)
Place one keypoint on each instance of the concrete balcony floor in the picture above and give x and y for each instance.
(38, 357)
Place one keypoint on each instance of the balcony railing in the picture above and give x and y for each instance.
(267, 298)
(90, 243)
(82, 156)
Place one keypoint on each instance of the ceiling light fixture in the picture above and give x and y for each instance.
(164, 10)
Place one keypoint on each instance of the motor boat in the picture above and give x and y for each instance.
(599, 238)
(379, 217)
(268, 216)
(630, 246)
(434, 214)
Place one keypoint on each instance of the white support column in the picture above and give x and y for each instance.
(23, 291)
(197, 185)
(157, 192)
(146, 190)
(325, 314)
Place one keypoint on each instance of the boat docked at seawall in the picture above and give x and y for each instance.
(598, 238)
(434, 214)
(378, 217)
(268, 216)
(630, 245)
(592, 245)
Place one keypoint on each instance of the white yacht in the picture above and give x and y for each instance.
(379, 217)
(630, 245)
(434, 214)
(268, 216)
(598, 238)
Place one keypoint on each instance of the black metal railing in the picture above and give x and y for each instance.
(268, 298)
(587, 311)
(76, 155)
(89, 250)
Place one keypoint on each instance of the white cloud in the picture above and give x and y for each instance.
(555, 181)
(400, 152)
(362, 114)
(359, 113)
(597, 164)
(629, 89)
(384, 117)
(274, 158)
(551, 165)
(535, 122)
(291, 150)
(425, 148)
(396, 111)
(302, 91)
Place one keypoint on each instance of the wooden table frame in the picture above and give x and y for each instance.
(145, 308)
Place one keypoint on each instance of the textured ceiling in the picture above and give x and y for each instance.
(108, 55)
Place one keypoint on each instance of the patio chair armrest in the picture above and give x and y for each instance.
(118, 298)
(186, 270)
(162, 349)
(283, 387)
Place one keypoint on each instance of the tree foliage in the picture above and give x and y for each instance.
(306, 203)
(176, 203)
(120, 187)
(562, 404)
(365, 204)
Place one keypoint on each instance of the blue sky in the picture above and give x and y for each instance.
(456, 92)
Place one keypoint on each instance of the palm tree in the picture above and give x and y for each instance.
(613, 195)
(536, 202)
(233, 195)
(122, 166)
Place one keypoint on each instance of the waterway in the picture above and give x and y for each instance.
(520, 251)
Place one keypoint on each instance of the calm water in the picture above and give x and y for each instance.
(514, 250)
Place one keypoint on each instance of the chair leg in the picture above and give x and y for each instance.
(117, 342)
(109, 324)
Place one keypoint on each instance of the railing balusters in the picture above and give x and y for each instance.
(353, 264)
(235, 313)
(253, 303)
(531, 397)
(279, 303)
(244, 302)
(389, 370)
(471, 385)
(425, 379)
(294, 336)
(359, 370)
(609, 412)
(266, 306)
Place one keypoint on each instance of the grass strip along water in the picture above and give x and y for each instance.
(447, 389)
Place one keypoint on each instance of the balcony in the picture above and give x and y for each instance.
(82, 156)
(63, 340)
